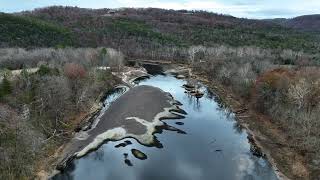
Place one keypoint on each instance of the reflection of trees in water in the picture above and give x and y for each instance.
(238, 127)
(190, 98)
(66, 175)
(197, 105)
(195, 102)
(210, 94)
(98, 155)
(126, 160)
(165, 126)
(257, 168)
(216, 98)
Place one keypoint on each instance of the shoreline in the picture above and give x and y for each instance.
(46, 168)
(267, 136)
(260, 134)
(127, 77)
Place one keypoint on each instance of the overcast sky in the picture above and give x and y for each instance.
(239, 8)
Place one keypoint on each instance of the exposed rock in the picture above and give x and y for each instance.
(120, 145)
(179, 123)
(134, 114)
(188, 86)
(138, 154)
(180, 76)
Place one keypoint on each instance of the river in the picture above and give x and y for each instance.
(207, 144)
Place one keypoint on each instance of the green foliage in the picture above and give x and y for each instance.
(5, 87)
(126, 28)
(147, 29)
(103, 76)
(5, 73)
(103, 52)
(45, 70)
(274, 38)
(26, 31)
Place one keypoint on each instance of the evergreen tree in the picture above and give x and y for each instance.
(5, 87)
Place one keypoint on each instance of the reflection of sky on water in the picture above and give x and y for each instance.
(214, 147)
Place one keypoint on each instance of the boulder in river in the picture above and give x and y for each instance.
(188, 86)
(199, 94)
(138, 154)
(179, 123)
(180, 76)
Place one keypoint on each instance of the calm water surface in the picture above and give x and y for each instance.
(210, 145)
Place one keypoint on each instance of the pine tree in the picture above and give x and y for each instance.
(5, 87)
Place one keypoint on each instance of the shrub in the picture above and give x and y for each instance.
(74, 71)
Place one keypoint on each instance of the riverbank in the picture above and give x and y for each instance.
(270, 138)
(132, 115)
(81, 122)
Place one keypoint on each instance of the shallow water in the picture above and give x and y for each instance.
(208, 145)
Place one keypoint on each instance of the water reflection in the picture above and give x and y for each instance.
(207, 144)
(126, 160)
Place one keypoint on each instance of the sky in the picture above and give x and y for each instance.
(257, 9)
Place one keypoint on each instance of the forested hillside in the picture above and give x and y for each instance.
(310, 23)
(132, 29)
(30, 32)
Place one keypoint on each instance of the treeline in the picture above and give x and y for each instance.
(41, 107)
(288, 93)
(282, 84)
(153, 28)
(19, 58)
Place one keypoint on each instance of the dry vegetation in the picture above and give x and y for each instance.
(38, 109)
(282, 84)
(289, 94)
(275, 69)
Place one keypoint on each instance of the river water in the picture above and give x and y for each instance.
(209, 145)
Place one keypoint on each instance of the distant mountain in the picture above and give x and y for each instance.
(306, 23)
(131, 29)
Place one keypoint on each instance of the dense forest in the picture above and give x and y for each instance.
(29, 32)
(273, 65)
(151, 28)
